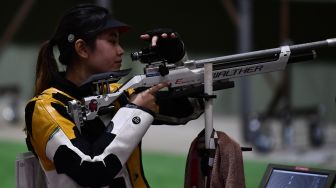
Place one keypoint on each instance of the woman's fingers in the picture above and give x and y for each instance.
(147, 98)
(157, 88)
(155, 38)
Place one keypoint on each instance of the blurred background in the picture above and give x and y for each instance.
(286, 117)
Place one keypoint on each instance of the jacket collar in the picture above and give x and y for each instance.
(61, 83)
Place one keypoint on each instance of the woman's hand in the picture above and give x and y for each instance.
(155, 38)
(147, 98)
(165, 43)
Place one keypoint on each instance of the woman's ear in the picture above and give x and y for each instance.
(81, 48)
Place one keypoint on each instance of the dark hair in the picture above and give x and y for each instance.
(83, 21)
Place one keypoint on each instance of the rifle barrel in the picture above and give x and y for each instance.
(313, 45)
(268, 53)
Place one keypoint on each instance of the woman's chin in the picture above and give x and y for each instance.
(115, 68)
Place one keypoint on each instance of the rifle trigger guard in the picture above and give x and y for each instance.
(207, 96)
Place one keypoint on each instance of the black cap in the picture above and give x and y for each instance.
(115, 24)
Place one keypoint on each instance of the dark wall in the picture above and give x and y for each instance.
(204, 25)
(307, 22)
(41, 20)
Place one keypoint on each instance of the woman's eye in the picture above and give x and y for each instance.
(113, 41)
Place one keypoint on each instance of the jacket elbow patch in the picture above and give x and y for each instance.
(86, 173)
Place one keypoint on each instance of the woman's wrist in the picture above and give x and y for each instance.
(132, 105)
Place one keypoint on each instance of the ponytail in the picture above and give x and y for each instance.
(46, 68)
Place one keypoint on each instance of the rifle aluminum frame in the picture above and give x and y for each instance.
(191, 73)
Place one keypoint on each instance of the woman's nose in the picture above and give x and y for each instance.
(120, 50)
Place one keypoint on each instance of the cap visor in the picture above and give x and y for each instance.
(115, 24)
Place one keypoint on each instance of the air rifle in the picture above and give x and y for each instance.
(188, 75)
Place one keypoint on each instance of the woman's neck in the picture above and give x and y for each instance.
(76, 74)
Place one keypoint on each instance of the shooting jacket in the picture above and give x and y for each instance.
(105, 153)
(98, 156)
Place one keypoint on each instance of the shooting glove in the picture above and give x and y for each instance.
(170, 49)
